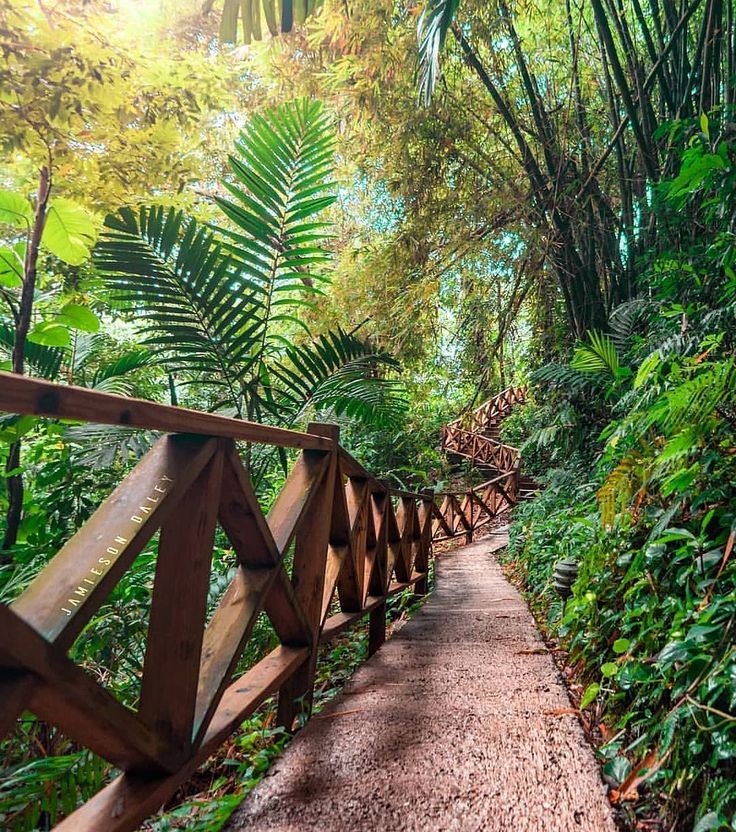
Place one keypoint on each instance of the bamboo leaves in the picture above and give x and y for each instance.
(432, 27)
(278, 15)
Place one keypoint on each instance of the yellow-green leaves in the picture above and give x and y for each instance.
(647, 367)
(78, 317)
(599, 356)
(56, 331)
(69, 232)
(279, 16)
(15, 210)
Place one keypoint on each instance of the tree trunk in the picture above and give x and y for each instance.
(23, 324)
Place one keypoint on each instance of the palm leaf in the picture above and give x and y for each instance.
(43, 361)
(340, 373)
(599, 356)
(103, 446)
(432, 27)
(279, 186)
(193, 306)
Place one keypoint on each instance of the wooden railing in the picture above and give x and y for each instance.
(352, 538)
(480, 449)
(469, 436)
(492, 411)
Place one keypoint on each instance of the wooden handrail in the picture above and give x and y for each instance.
(355, 542)
(468, 435)
(483, 416)
(35, 397)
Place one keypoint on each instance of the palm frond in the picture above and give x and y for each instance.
(280, 184)
(561, 377)
(193, 306)
(432, 27)
(694, 400)
(116, 376)
(103, 446)
(43, 361)
(623, 321)
(341, 373)
(599, 356)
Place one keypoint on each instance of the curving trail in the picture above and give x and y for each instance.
(453, 725)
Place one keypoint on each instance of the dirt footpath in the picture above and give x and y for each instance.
(453, 725)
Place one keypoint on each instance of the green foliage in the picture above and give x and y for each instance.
(599, 356)
(652, 616)
(223, 306)
(432, 27)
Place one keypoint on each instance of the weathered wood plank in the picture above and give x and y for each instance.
(226, 636)
(243, 522)
(66, 696)
(15, 691)
(178, 610)
(71, 587)
(308, 575)
(19, 394)
(130, 799)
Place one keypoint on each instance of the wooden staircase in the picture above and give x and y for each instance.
(476, 435)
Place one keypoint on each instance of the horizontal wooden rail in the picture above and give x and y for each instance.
(35, 397)
(354, 542)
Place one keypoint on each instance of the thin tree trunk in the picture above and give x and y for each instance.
(25, 312)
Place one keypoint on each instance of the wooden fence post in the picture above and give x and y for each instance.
(308, 575)
(376, 628)
(469, 532)
(425, 522)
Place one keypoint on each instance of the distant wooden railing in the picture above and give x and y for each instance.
(491, 412)
(469, 436)
(351, 536)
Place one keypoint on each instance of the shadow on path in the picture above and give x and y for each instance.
(453, 725)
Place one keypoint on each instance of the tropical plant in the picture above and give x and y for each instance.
(223, 306)
(277, 15)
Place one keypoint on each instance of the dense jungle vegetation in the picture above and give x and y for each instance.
(379, 218)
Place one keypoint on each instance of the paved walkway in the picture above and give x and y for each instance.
(453, 725)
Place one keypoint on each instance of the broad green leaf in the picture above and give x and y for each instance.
(609, 669)
(78, 317)
(710, 821)
(704, 125)
(69, 232)
(11, 268)
(621, 645)
(14, 427)
(590, 694)
(15, 210)
(646, 368)
(50, 334)
(618, 769)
